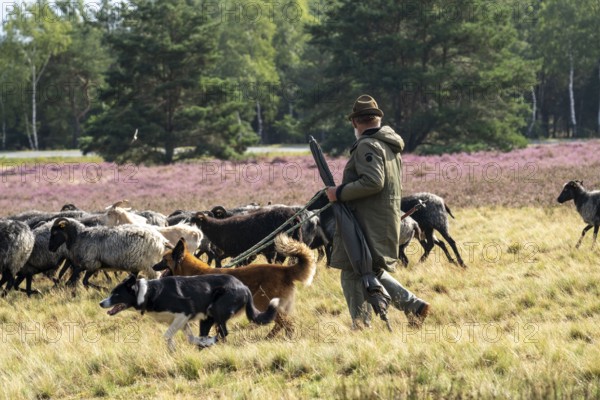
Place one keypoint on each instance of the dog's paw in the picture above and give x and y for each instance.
(205, 341)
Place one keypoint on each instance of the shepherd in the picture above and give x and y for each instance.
(372, 190)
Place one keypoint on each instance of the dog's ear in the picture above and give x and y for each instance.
(179, 252)
(130, 280)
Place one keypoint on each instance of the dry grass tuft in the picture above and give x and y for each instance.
(521, 322)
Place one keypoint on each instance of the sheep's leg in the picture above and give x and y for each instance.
(442, 246)
(86, 281)
(452, 244)
(320, 253)
(51, 275)
(9, 279)
(587, 228)
(328, 251)
(66, 266)
(107, 277)
(3, 280)
(595, 235)
(427, 244)
(402, 255)
(28, 282)
(75, 275)
(20, 278)
(222, 331)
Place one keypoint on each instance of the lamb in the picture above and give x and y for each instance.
(587, 204)
(143, 217)
(192, 235)
(432, 217)
(237, 234)
(205, 247)
(408, 230)
(16, 244)
(127, 248)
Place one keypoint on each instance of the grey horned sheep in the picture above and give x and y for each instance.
(433, 217)
(16, 244)
(587, 204)
(127, 248)
(409, 229)
(41, 260)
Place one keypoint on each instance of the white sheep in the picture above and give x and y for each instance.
(192, 235)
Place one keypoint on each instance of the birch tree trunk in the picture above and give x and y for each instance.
(533, 111)
(35, 79)
(572, 95)
(27, 131)
(33, 107)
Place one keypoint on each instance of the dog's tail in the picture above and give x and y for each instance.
(305, 268)
(261, 318)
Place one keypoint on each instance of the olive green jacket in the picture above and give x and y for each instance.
(372, 189)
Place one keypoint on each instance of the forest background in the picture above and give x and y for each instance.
(157, 82)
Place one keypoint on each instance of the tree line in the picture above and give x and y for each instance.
(160, 81)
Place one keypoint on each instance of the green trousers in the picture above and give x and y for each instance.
(352, 286)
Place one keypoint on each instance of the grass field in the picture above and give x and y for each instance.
(520, 322)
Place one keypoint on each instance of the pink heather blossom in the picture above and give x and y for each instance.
(533, 176)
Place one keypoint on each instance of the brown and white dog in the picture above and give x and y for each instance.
(266, 281)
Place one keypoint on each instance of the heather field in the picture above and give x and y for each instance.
(520, 322)
(523, 178)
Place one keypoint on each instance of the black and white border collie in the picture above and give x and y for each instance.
(178, 300)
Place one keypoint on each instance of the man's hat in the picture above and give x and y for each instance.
(365, 105)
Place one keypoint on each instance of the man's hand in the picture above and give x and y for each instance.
(331, 193)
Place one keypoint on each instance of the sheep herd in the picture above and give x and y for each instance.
(122, 239)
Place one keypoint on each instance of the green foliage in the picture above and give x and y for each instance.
(162, 50)
(33, 35)
(78, 73)
(447, 80)
(211, 78)
(564, 32)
